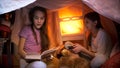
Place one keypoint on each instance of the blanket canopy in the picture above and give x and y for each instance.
(107, 8)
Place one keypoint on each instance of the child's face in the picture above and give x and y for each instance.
(38, 19)
(90, 25)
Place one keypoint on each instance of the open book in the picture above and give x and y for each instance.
(69, 45)
(42, 55)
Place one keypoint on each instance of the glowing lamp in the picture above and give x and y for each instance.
(71, 25)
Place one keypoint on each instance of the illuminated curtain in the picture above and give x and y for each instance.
(54, 30)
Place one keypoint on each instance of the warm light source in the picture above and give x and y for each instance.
(71, 25)
(71, 22)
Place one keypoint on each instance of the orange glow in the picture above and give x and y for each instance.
(70, 12)
(70, 22)
(71, 27)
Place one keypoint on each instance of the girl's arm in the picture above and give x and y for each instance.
(79, 48)
(21, 52)
(89, 53)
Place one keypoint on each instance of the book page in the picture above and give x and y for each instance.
(39, 56)
(33, 56)
(47, 52)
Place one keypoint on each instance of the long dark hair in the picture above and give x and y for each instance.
(43, 29)
(94, 16)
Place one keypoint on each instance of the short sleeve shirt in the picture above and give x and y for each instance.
(30, 45)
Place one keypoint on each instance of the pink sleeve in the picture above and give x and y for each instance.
(24, 32)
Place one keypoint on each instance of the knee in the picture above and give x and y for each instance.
(98, 61)
(37, 64)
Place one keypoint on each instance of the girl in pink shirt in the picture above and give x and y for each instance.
(33, 37)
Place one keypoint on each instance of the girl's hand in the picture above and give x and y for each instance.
(78, 48)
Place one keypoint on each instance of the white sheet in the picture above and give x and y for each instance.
(10, 5)
(107, 8)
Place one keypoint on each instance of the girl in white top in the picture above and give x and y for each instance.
(101, 44)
